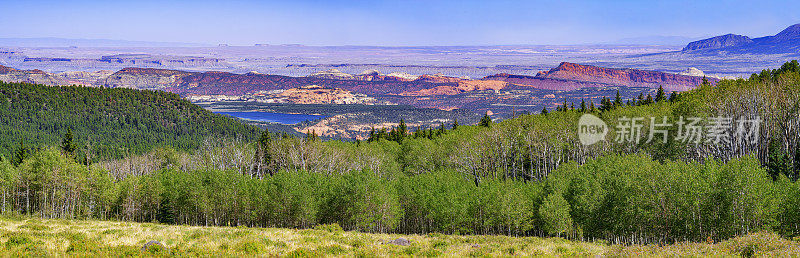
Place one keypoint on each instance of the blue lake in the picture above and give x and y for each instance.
(288, 119)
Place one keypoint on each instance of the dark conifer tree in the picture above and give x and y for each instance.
(20, 154)
(649, 100)
(371, 135)
(583, 106)
(486, 121)
(402, 131)
(67, 143)
(660, 96)
(778, 162)
(264, 158)
(673, 97)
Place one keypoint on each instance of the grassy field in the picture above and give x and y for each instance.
(35, 237)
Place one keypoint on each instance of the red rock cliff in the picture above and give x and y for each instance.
(624, 77)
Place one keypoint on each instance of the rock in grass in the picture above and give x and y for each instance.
(400, 241)
(153, 244)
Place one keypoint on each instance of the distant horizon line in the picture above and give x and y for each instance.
(110, 42)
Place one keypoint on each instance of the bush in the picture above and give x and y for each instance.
(333, 228)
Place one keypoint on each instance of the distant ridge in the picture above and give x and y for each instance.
(787, 41)
(655, 40)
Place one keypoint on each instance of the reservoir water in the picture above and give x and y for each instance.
(288, 119)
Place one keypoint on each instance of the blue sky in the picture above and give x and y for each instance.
(393, 23)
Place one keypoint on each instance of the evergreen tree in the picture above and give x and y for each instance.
(393, 135)
(640, 100)
(402, 131)
(67, 144)
(262, 152)
(382, 134)
(649, 100)
(372, 135)
(20, 154)
(673, 97)
(591, 107)
(455, 124)
(583, 106)
(618, 100)
(311, 136)
(544, 111)
(660, 94)
(778, 162)
(486, 121)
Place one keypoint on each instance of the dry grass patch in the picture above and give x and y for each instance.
(36, 238)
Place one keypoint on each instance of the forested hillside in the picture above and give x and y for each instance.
(525, 176)
(106, 123)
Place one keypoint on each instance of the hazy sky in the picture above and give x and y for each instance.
(393, 22)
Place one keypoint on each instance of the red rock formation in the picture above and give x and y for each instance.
(624, 77)
(150, 71)
(542, 83)
(6, 69)
(8, 74)
(565, 77)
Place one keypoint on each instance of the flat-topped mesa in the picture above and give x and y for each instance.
(624, 77)
(729, 40)
(148, 71)
(332, 74)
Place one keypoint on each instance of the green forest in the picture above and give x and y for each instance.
(526, 176)
(111, 122)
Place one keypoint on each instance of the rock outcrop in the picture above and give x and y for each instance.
(8, 74)
(691, 71)
(623, 77)
(537, 82)
(314, 94)
(332, 74)
(144, 78)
